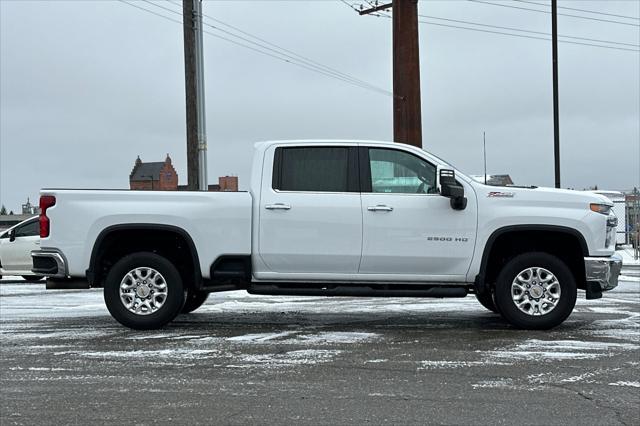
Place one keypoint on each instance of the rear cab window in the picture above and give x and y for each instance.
(315, 169)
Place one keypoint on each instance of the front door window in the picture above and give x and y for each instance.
(400, 172)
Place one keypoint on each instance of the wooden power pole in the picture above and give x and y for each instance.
(188, 14)
(407, 111)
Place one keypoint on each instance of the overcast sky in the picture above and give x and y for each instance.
(86, 86)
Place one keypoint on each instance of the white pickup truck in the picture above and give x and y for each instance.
(333, 218)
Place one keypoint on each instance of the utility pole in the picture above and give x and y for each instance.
(194, 92)
(556, 114)
(407, 114)
(190, 92)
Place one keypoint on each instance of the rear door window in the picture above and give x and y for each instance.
(315, 169)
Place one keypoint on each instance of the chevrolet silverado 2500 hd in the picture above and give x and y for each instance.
(333, 218)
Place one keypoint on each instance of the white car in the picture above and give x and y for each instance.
(16, 244)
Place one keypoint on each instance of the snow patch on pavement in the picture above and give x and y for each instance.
(290, 358)
(258, 337)
(150, 355)
(535, 350)
(62, 335)
(430, 365)
(627, 384)
(333, 337)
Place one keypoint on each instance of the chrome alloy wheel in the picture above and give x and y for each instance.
(143, 291)
(535, 291)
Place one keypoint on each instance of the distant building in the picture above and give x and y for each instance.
(225, 184)
(494, 180)
(29, 209)
(228, 183)
(156, 176)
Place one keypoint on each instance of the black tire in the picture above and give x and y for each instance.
(564, 305)
(194, 300)
(33, 277)
(165, 313)
(486, 300)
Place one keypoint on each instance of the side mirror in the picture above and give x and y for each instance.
(451, 189)
(12, 235)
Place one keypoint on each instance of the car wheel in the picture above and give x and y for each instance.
(535, 291)
(194, 300)
(32, 277)
(144, 291)
(486, 300)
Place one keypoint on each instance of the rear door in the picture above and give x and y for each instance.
(310, 212)
(410, 232)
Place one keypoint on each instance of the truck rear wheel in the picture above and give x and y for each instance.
(535, 291)
(144, 291)
(194, 300)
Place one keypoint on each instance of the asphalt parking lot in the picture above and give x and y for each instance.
(244, 359)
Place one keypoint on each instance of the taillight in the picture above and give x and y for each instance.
(46, 201)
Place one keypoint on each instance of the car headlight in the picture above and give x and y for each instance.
(600, 208)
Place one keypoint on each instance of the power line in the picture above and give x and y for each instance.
(521, 35)
(150, 11)
(294, 56)
(380, 14)
(581, 10)
(548, 12)
(527, 36)
(292, 62)
(527, 31)
(350, 5)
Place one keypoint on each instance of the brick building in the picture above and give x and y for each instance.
(225, 183)
(156, 176)
(228, 183)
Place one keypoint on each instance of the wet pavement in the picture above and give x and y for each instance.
(243, 359)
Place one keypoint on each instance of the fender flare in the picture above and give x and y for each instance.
(95, 251)
(481, 285)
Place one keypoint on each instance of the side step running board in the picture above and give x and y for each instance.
(357, 290)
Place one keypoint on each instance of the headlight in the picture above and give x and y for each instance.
(600, 208)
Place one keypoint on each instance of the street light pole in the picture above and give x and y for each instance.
(200, 106)
(556, 114)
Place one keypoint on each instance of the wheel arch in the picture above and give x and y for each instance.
(108, 236)
(538, 233)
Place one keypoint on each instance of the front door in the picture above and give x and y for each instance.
(410, 232)
(310, 213)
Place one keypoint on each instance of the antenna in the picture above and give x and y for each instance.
(484, 146)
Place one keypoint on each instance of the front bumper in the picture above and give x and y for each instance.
(49, 263)
(603, 271)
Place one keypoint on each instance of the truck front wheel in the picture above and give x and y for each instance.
(535, 291)
(144, 291)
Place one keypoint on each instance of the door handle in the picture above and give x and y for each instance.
(277, 206)
(380, 207)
